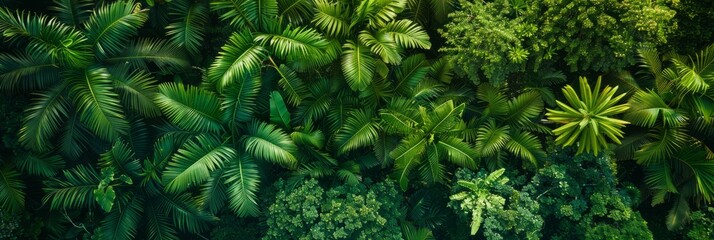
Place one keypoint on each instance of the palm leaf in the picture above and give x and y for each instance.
(24, 71)
(358, 131)
(184, 212)
(400, 116)
(383, 47)
(187, 27)
(45, 165)
(189, 107)
(43, 118)
(74, 137)
(12, 196)
(75, 191)
(524, 108)
(167, 57)
(442, 8)
(46, 35)
(100, 109)
(121, 158)
(240, 58)
(490, 139)
(330, 17)
(406, 156)
(243, 181)
(194, 162)
(298, 44)
(213, 193)
(137, 90)
(678, 215)
(291, 85)
(433, 171)
(317, 103)
(664, 145)
(384, 11)
(122, 222)
(357, 66)
(408, 74)
(458, 152)
(158, 226)
(72, 12)
(111, 26)
(238, 102)
(268, 143)
(526, 146)
(647, 107)
(296, 11)
(407, 34)
(444, 117)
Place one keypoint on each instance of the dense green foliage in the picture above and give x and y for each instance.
(356, 119)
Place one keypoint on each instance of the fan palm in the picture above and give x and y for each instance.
(86, 67)
(677, 112)
(588, 121)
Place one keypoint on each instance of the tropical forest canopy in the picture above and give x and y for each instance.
(357, 119)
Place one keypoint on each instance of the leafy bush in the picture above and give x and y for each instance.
(344, 212)
(506, 213)
(495, 39)
(702, 222)
(580, 198)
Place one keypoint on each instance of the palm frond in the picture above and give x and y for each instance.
(496, 102)
(72, 12)
(296, 11)
(240, 58)
(433, 171)
(136, 89)
(123, 222)
(187, 27)
(400, 116)
(291, 84)
(12, 196)
(408, 74)
(385, 11)
(74, 137)
(442, 8)
(665, 143)
(444, 117)
(697, 74)
(298, 44)
(410, 232)
(382, 46)
(93, 94)
(330, 17)
(167, 57)
(318, 102)
(75, 191)
(158, 225)
(678, 215)
(184, 211)
(358, 131)
(239, 100)
(121, 158)
(27, 72)
(407, 34)
(279, 113)
(189, 107)
(490, 139)
(111, 26)
(358, 65)
(458, 152)
(44, 118)
(213, 192)
(524, 108)
(406, 156)
(194, 162)
(268, 143)
(243, 181)
(525, 145)
(46, 165)
(46, 35)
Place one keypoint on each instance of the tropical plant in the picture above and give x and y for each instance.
(674, 104)
(490, 203)
(588, 121)
(89, 71)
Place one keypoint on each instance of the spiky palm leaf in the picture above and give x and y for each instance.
(33, 70)
(158, 226)
(75, 191)
(239, 100)
(44, 118)
(189, 107)
(647, 107)
(46, 165)
(292, 85)
(122, 222)
(408, 74)
(136, 89)
(589, 120)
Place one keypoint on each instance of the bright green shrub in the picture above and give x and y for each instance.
(344, 212)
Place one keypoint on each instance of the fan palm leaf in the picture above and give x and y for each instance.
(490, 139)
(647, 107)
(526, 146)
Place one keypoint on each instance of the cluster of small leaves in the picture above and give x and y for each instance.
(701, 227)
(580, 198)
(502, 37)
(344, 212)
(695, 25)
(513, 214)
